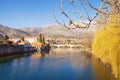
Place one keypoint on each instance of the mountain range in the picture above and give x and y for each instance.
(53, 30)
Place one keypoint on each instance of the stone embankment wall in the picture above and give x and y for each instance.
(6, 50)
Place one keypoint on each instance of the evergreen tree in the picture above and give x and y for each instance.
(41, 38)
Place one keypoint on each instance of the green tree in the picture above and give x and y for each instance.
(23, 39)
(6, 40)
(6, 37)
(41, 38)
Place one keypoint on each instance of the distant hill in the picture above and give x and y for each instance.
(12, 32)
(54, 30)
(1, 37)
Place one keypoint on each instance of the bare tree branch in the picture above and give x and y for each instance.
(73, 25)
(69, 19)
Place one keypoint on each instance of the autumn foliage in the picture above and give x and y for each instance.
(106, 44)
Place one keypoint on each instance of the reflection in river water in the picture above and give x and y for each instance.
(59, 64)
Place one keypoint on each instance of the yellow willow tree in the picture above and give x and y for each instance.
(106, 43)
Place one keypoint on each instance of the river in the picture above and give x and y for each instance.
(59, 64)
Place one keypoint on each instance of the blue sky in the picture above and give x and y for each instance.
(32, 13)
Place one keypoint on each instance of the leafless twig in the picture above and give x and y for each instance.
(72, 25)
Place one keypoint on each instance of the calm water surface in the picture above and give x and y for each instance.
(59, 64)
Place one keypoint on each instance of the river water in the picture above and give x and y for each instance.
(59, 64)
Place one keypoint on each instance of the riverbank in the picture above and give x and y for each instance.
(108, 67)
